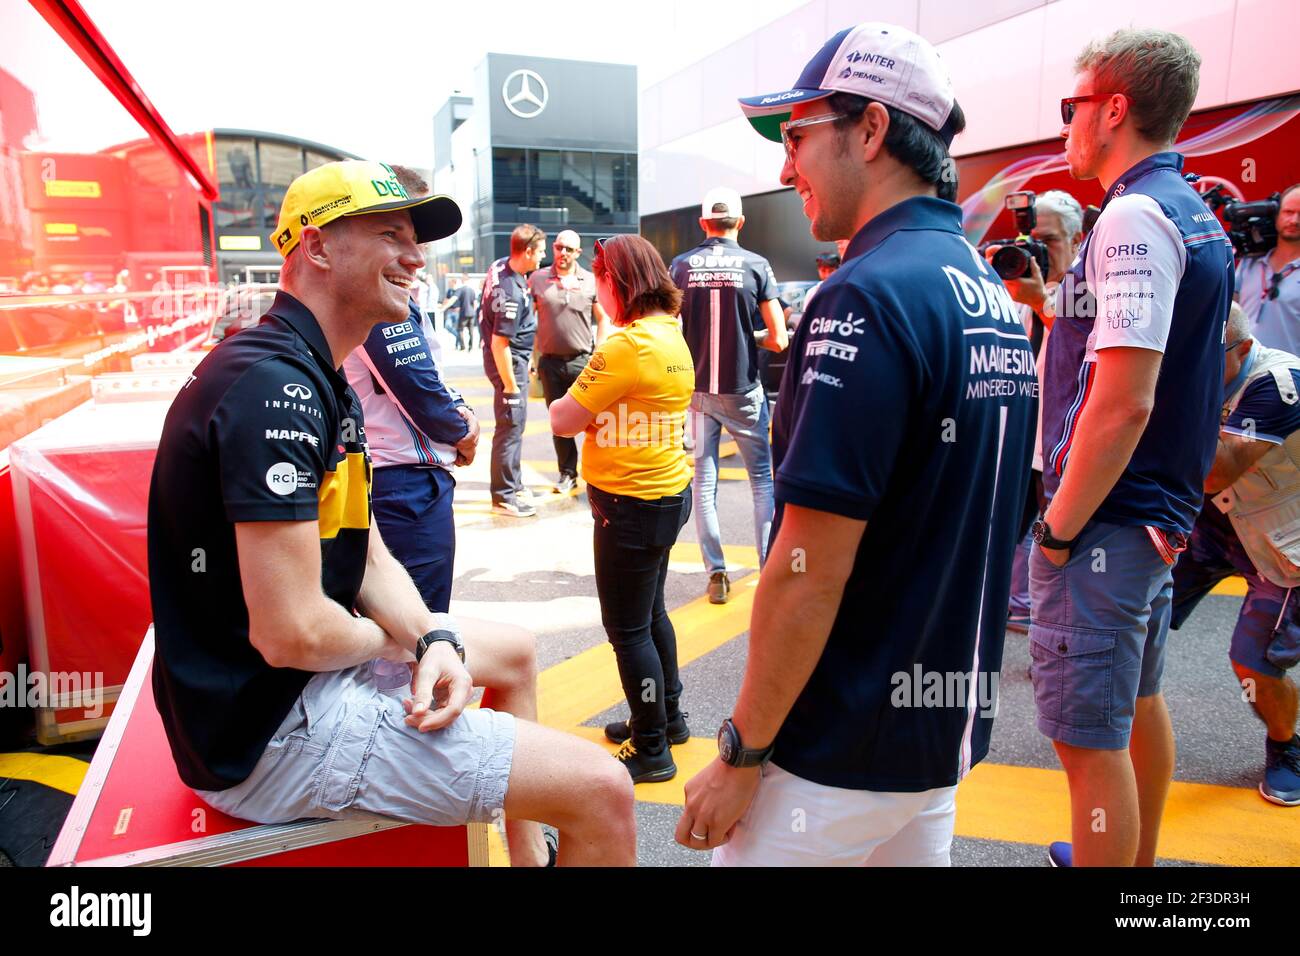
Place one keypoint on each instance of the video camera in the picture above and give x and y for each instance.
(1252, 226)
(1012, 260)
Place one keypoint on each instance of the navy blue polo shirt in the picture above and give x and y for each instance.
(909, 402)
(1155, 272)
(506, 309)
(265, 430)
(722, 286)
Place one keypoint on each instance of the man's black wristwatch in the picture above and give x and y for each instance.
(1043, 537)
(433, 637)
(733, 752)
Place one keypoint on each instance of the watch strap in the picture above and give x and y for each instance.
(433, 637)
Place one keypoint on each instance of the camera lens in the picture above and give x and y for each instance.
(1011, 262)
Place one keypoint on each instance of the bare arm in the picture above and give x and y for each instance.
(1108, 431)
(292, 625)
(568, 417)
(777, 338)
(1235, 456)
(390, 598)
(794, 608)
(504, 362)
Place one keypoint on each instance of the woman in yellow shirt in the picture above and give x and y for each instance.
(631, 402)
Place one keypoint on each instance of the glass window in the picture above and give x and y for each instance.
(509, 183)
(577, 187)
(318, 159)
(280, 163)
(237, 209)
(236, 163)
(605, 186)
(272, 199)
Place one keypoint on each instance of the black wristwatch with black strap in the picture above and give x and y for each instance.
(451, 637)
(733, 751)
(1043, 537)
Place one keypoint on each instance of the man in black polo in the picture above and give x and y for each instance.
(729, 296)
(283, 625)
(565, 297)
(507, 327)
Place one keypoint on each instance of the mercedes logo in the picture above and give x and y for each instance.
(525, 93)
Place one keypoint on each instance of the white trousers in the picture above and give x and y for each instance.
(795, 822)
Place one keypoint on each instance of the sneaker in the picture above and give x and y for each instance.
(566, 484)
(719, 587)
(621, 730)
(1281, 783)
(526, 493)
(1060, 854)
(1018, 623)
(513, 509)
(646, 767)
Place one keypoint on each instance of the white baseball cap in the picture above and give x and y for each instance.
(881, 61)
(721, 196)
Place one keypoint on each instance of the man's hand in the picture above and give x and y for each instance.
(467, 446)
(441, 689)
(716, 798)
(1058, 557)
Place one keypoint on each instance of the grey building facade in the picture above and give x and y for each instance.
(546, 141)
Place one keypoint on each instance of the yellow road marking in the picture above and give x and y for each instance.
(1232, 587)
(55, 772)
(587, 683)
(1203, 823)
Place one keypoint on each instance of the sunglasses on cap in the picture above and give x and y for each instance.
(1070, 102)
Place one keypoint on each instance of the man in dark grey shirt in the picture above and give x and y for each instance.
(564, 295)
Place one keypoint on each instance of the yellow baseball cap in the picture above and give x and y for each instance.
(355, 187)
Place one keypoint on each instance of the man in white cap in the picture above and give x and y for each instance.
(727, 292)
(901, 441)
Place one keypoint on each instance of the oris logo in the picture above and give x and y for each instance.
(1126, 249)
(294, 390)
(525, 93)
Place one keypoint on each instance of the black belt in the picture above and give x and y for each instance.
(563, 358)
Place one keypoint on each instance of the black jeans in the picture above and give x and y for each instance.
(558, 375)
(632, 541)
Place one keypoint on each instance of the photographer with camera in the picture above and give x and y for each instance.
(1055, 221)
(1268, 284)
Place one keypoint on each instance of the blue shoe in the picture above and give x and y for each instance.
(1018, 623)
(1281, 783)
(1060, 854)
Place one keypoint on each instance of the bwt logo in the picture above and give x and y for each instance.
(1127, 249)
(294, 390)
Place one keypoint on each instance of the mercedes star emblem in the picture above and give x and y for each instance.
(525, 93)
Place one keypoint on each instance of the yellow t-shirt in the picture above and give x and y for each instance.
(638, 383)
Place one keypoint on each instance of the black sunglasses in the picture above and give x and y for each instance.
(1070, 102)
(561, 247)
(1275, 286)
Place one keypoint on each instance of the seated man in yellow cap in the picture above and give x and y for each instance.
(284, 627)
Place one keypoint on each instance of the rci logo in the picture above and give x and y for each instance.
(282, 478)
(294, 390)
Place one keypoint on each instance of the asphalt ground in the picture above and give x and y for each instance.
(538, 573)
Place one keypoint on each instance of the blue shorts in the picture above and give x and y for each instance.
(345, 752)
(1097, 634)
(1267, 636)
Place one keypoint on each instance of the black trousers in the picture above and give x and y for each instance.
(558, 375)
(632, 541)
(506, 473)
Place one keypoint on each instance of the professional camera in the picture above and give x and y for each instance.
(1252, 226)
(1012, 260)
